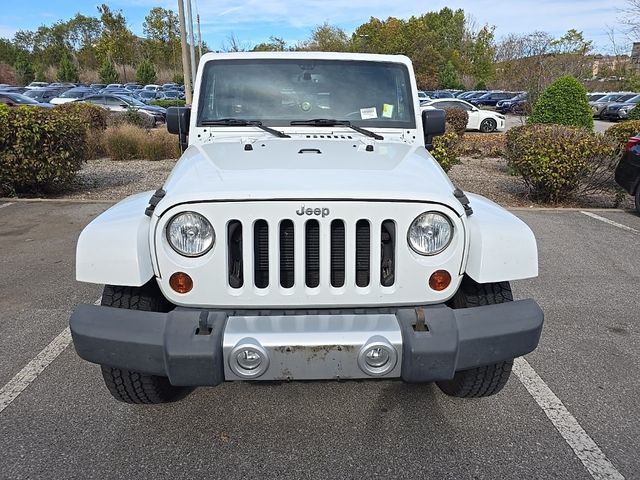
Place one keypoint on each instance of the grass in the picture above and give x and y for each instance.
(128, 142)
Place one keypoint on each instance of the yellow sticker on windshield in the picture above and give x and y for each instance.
(387, 110)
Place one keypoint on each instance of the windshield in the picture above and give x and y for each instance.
(21, 99)
(132, 101)
(74, 94)
(279, 91)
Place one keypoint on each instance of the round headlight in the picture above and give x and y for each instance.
(430, 233)
(190, 234)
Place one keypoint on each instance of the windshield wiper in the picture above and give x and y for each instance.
(327, 122)
(239, 122)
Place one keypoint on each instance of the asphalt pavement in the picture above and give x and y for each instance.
(64, 424)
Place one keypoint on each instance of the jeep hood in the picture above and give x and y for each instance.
(273, 168)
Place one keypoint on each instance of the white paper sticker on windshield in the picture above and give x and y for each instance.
(367, 113)
(387, 110)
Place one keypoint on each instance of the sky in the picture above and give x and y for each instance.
(254, 21)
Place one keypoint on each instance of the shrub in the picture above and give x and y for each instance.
(564, 102)
(458, 119)
(128, 142)
(107, 72)
(168, 103)
(621, 132)
(556, 161)
(45, 149)
(67, 70)
(94, 119)
(634, 114)
(445, 149)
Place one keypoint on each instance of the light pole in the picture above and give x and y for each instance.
(186, 72)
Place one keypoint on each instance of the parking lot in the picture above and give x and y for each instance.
(58, 421)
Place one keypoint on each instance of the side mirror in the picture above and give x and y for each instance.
(433, 124)
(178, 119)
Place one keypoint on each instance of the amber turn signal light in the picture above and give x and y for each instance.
(439, 280)
(181, 282)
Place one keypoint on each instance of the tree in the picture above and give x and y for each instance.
(275, 44)
(448, 76)
(24, 69)
(564, 102)
(117, 43)
(326, 38)
(107, 72)
(161, 27)
(67, 70)
(146, 73)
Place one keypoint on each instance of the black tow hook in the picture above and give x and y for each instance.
(203, 324)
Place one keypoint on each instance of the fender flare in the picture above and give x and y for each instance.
(501, 246)
(114, 248)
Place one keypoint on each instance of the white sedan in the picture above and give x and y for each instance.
(484, 120)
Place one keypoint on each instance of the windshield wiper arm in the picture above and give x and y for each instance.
(239, 122)
(327, 122)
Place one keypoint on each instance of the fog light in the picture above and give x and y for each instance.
(181, 282)
(377, 357)
(248, 359)
(439, 280)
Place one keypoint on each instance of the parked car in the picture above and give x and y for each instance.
(598, 106)
(513, 105)
(148, 95)
(439, 94)
(422, 96)
(171, 95)
(43, 95)
(595, 96)
(169, 86)
(13, 89)
(38, 85)
(490, 99)
(628, 170)
(472, 94)
(152, 87)
(18, 100)
(98, 86)
(620, 111)
(120, 103)
(484, 120)
(72, 94)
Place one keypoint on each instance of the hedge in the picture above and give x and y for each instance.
(564, 102)
(39, 149)
(557, 161)
(168, 103)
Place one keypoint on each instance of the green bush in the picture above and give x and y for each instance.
(458, 119)
(634, 114)
(445, 149)
(39, 149)
(564, 102)
(146, 73)
(168, 103)
(94, 118)
(557, 161)
(620, 133)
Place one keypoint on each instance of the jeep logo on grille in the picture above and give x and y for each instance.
(319, 212)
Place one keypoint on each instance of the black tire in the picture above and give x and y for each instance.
(488, 125)
(638, 201)
(136, 387)
(490, 379)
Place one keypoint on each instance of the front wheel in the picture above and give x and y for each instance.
(489, 379)
(488, 125)
(136, 387)
(638, 200)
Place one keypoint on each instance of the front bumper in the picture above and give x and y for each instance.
(198, 347)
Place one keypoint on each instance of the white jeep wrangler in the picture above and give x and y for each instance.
(306, 233)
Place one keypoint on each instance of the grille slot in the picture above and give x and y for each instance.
(287, 262)
(234, 257)
(337, 253)
(363, 253)
(261, 254)
(387, 253)
(312, 253)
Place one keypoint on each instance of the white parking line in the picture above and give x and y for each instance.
(582, 444)
(5, 205)
(35, 367)
(610, 222)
